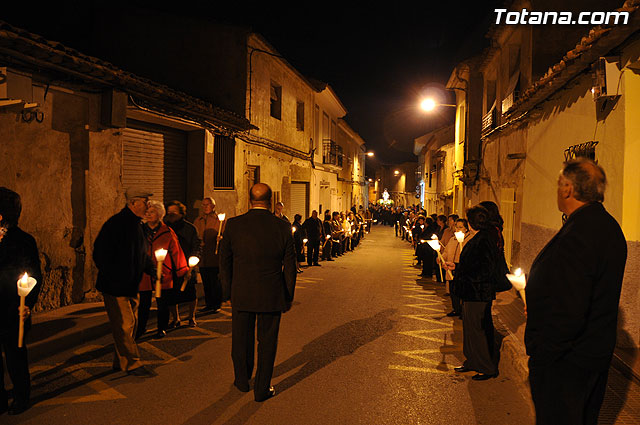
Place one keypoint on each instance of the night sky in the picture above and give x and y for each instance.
(378, 59)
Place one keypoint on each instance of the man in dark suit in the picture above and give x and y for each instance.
(315, 234)
(258, 273)
(572, 294)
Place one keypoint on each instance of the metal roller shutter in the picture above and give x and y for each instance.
(298, 200)
(155, 158)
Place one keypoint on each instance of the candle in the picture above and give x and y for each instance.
(25, 285)
(293, 229)
(193, 261)
(434, 243)
(221, 217)
(305, 240)
(161, 254)
(519, 282)
(459, 236)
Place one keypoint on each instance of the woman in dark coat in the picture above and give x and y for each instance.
(298, 240)
(474, 283)
(191, 247)
(18, 254)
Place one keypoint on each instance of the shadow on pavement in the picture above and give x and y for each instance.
(327, 348)
(322, 351)
(60, 374)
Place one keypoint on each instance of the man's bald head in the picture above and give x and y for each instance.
(260, 195)
(587, 178)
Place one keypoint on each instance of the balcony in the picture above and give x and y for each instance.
(331, 153)
(489, 121)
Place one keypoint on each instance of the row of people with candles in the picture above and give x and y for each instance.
(468, 255)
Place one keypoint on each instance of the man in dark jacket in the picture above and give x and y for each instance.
(18, 254)
(258, 272)
(315, 234)
(572, 296)
(121, 256)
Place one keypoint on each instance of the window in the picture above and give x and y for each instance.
(276, 100)
(223, 162)
(300, 116)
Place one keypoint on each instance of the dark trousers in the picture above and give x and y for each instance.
(243, 327)
(564, 393)
(212, 287)
(313, 249)
(456, 304)
(426, 256)
(17, 366)
(477, 328)
(336, 248)
(326, 250)
(144, 309)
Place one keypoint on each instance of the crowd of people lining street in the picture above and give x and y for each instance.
(572, 293)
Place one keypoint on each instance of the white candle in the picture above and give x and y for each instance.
(293, 229)
(518, 279)
(193, 261)
(459, 236)
(221, 217)
(25, 285)
(161, 254)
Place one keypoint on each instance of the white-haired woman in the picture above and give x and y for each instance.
(160, 236)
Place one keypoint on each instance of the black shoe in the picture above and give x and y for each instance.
(331, 259)
(316, 264)
(453, 313)
(142, 372)
(17, 408)
(483, 376)
(462, 369)
(271, 393)
(160, 335)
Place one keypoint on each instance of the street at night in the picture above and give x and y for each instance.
(366, 342)
(321, 214)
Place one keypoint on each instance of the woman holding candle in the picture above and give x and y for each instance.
(191, 247)
(474, 283)
(175, 266)
(208, 226)
(18, 255)
(451, 256)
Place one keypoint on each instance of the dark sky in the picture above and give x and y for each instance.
(378, 59)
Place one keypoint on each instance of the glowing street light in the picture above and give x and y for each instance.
(396, 172)
(370, 154)
(429, 104)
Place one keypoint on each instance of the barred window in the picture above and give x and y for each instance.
(223, 162)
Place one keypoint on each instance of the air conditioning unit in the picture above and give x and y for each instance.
(16, 90)
(606, 77)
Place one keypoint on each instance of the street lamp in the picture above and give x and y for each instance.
(429, 104)
(370, 154)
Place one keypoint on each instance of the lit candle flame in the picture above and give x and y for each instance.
(193, 261)
(518, 272)
(24, 280)
(305, 240)
(221, 216)
(161, 254)
(434, 237)
(459, 236)
(293, 230)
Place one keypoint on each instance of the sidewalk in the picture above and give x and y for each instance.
(72, 326)
(509, 319)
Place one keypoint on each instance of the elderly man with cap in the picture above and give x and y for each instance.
(121, 255)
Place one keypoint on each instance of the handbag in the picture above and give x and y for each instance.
(502, 283)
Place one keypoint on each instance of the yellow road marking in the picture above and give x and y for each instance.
(439, 310)
(420, 369)
(104, 392)
(168, 358)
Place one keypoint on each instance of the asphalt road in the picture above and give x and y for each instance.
(366, 342)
